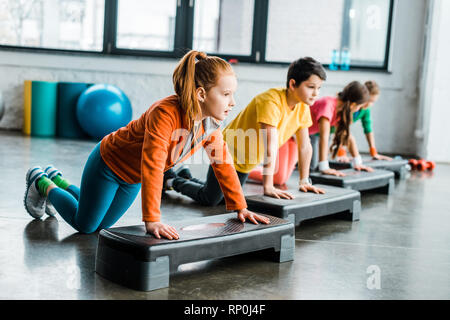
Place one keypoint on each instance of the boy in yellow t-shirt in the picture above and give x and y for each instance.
(255, 135)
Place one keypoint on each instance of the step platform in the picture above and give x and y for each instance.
(379, 180)
(137, 260)
(398, 166)
(308, 205)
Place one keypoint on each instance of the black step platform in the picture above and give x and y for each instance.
(378, 180)
(398, 166)
(308, 205)
(131, 257)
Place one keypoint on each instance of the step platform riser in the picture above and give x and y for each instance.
(131, 258)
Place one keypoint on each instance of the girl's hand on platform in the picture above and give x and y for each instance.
(310, 187)
(381, 157)
(159, 229)
(277, 193)
(253, 217)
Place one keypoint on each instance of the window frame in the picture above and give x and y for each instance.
(184, 27)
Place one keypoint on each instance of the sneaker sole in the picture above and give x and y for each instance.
(49, 211)
(26, 193)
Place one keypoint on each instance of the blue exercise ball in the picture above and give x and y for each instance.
(102, 109)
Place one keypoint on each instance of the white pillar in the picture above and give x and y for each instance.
(432, 130)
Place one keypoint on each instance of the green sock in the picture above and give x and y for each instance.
(60, 182)
(43, 184)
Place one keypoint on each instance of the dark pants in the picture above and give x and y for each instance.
(314, 166)
(206, 193)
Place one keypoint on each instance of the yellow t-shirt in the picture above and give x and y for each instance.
(245, 140)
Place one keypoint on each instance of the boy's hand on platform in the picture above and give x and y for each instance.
(277, 193)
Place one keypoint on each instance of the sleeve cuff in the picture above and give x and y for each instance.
(373, 151)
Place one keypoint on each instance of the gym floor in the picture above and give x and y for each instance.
(401, 239)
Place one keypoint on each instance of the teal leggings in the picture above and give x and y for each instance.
(100, 201)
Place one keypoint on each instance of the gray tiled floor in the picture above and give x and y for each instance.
(405, 235)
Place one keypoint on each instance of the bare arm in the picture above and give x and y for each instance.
(324, 131)
(370, 139)
(352, 146)
(304, 152)
(373, 150)
(304, 160)
(270, 136)
(357, 161)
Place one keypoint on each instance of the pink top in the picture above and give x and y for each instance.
(323, 107)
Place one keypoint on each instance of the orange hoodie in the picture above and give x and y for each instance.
(144, 149)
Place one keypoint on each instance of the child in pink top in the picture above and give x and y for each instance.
(334, 115)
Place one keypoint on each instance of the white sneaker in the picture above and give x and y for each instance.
(51, 172)
(34, 202)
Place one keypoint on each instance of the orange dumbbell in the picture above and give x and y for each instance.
(413, 163)
(423, 165)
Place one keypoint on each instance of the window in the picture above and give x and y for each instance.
(146, 25)
(63, 24)
(262, 31)
(366, 40)
(359, 28)
(296, 28)
(223, 26)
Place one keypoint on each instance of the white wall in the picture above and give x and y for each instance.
(145, 80)
(434, 109)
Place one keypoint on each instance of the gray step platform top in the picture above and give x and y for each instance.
(131, 257)
(309, 205)
(198, 229)
(354, 175)
(394, 163)
(357, 180)
(305, 199)
(368, 161)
